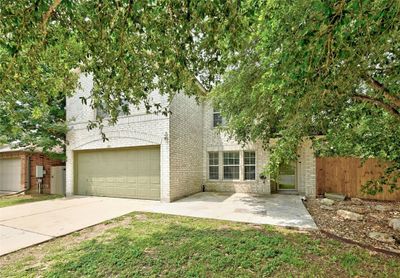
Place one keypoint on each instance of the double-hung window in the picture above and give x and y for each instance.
(249, 165)
(231, 165)
(213, 166)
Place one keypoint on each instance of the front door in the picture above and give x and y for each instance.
(287, 176)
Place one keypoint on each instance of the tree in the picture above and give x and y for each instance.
(130, 47)
(34, 128)
(290, 69)
(319, 68)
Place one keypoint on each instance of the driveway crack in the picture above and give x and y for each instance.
(28, 231)
(50, 210)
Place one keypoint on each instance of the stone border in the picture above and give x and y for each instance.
(366, 246)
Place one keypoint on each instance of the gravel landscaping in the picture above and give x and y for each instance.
(373, 223)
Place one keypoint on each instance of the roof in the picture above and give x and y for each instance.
(9, 148)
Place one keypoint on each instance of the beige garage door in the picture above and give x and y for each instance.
(10, 174)
(128, 173)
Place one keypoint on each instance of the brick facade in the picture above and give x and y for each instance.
(186, 147)
(40, 159)
(35, 159)
(215, 141)
(185, 137)
(137, 129)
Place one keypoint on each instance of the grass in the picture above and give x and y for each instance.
(154, 245)
(6, 201)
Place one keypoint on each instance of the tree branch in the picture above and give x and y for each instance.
(377, 102)
(376, 85)
(47, 15)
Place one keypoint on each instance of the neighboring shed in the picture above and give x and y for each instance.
(18, 169)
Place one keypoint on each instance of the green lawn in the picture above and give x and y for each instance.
(6, 201)
(153, 245)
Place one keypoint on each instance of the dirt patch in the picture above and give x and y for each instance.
(141, 217)
(39, 252)
(376, 216)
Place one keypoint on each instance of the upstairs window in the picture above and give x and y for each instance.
(231, 165)
(249, 165)
(217, 118)
(213, 166)
(123, 109)
(101, 113)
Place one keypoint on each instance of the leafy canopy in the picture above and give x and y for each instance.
(319, 68)
(290, 69)
(130, 47)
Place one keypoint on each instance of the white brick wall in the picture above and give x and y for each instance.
(186, 146)
(214, 141)
(185, 137)
(139, 129)
(307, 170)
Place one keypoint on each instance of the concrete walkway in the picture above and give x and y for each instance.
(28, 224)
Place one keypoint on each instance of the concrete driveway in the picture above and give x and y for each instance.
(29, 224)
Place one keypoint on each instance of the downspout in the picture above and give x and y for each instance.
(28, 185)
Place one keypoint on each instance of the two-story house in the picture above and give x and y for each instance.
(165, 158)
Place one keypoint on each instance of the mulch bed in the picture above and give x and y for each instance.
(374, 221)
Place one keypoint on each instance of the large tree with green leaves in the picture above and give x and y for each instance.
(130, 47)
(313, 68)
(32, 128)
(290, 69)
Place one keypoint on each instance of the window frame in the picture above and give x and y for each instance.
(213, 165)
(104, 114)
(249, 165)
(220, 121)
(231, 165)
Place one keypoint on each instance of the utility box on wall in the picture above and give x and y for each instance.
(39, 171)
(57, 181)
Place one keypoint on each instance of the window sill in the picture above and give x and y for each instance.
(232, 181)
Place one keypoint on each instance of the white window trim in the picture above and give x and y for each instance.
(212, 121)
(235, 165)
(241, 166)
(255, 165)
(217, 165)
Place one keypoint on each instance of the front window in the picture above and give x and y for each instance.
(249, 165)
(217, 119)
(213, 165)
(231, 165)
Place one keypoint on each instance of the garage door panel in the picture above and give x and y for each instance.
(10, 174)
(131, 173)
(155, 180)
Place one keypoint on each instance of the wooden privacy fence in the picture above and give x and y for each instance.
(346, 175)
